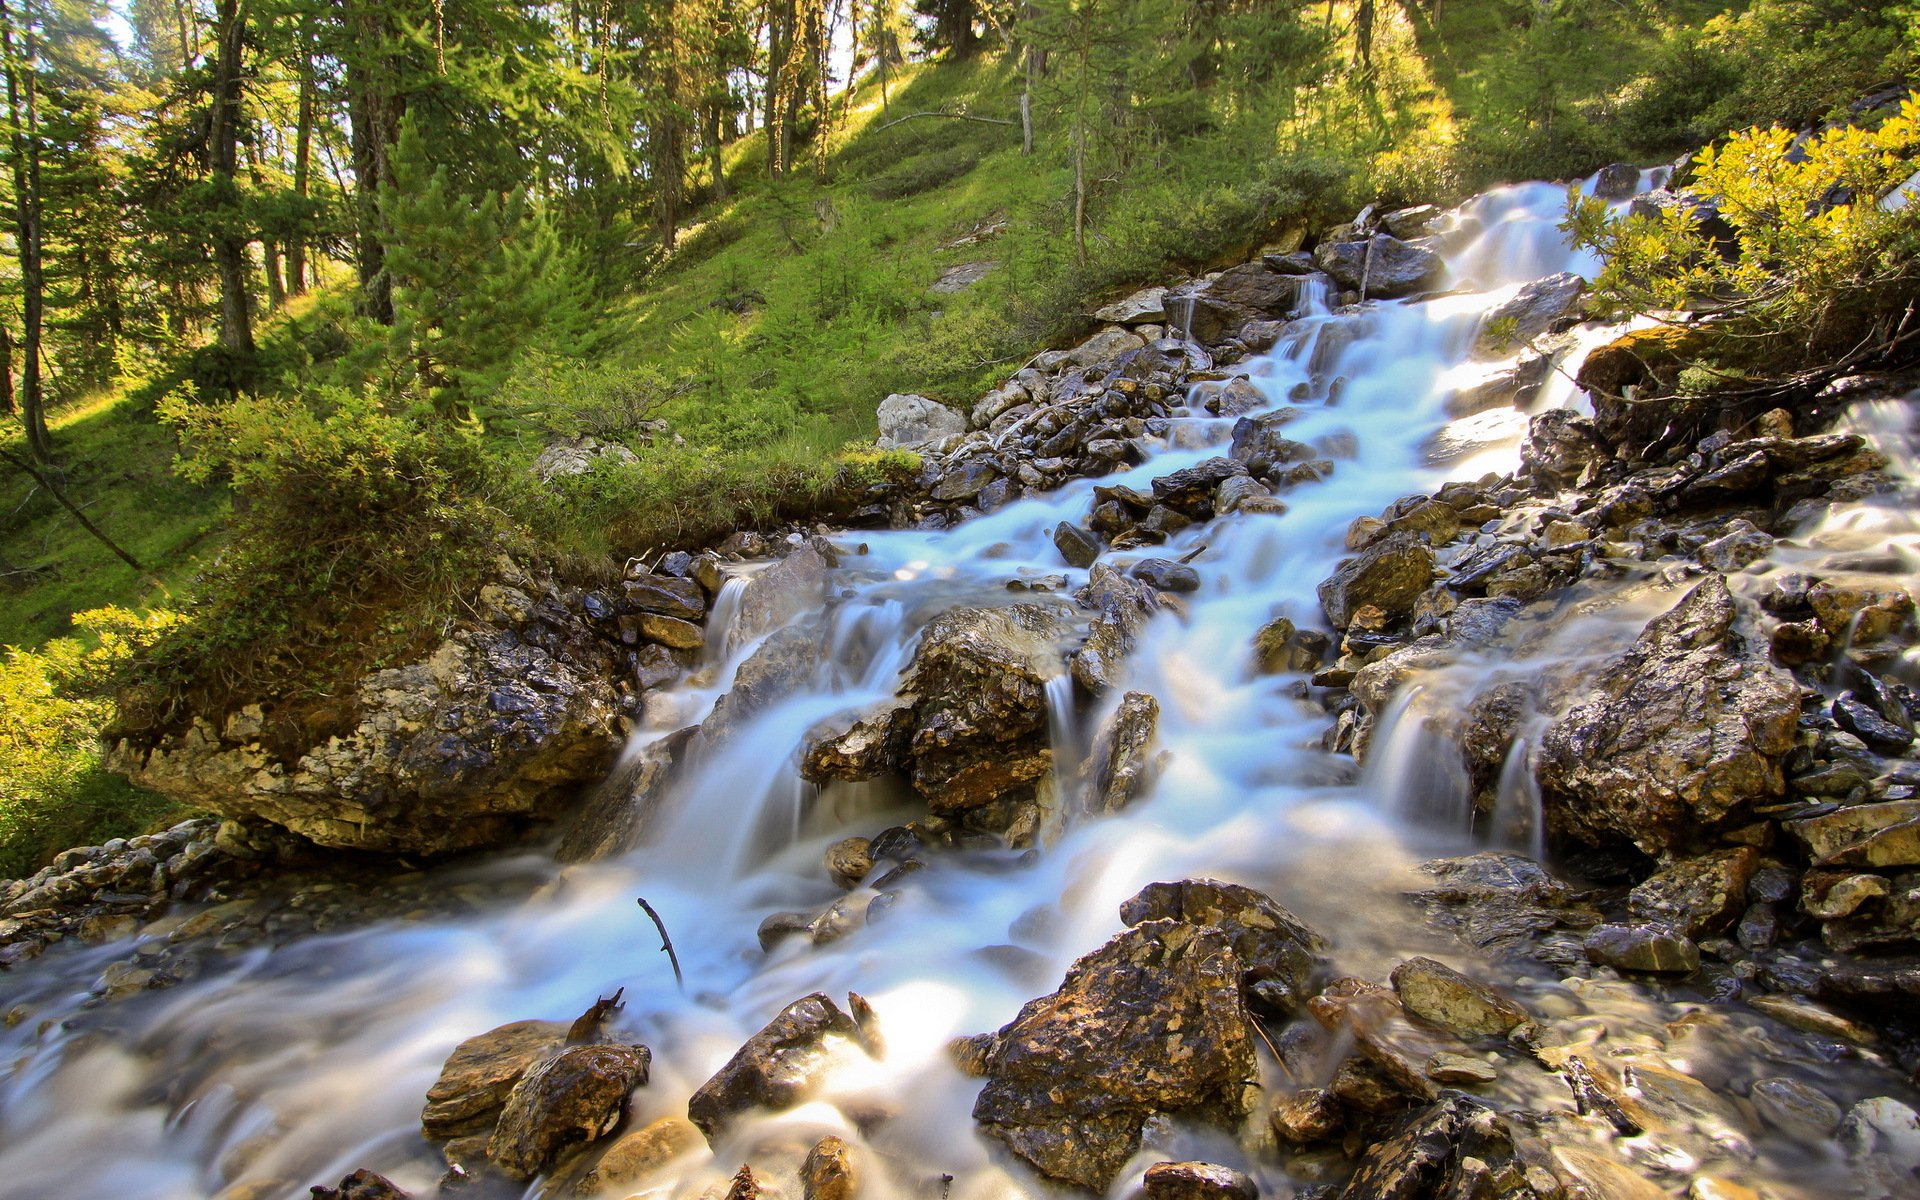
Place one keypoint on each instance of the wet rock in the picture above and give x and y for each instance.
(1166, 575)
(1233, 398)
(1808, 1017)
(1281, 955)
(1460, 1069)
(849, 860)
(909, 422)
(1151, 1022)
(1795, 1108)
(1648, 948)
(1258, 442)
(632, 1157)
(665, 595)
(361, 1185)
(1740, 547)
(965, 481)
(777, 594)
(1411, 1162)
(1389, 574)
(1121, 606)
(1858, 717)
(1442, 997)
(1417, 221)
(1533, 310)
(828, 1173)
(1863, 835)
(671, 632)
(1279, 646)
(1561, 446)
(781, 664)
(778, 927)
(1698, 896)
(875, 744)
(1882, 1140)
(480, 1073)
(1616, 181)
(1829, 899)
(1685, 730)
(1860, 609)
(1382, 267)
(577, 1096)
(1121, 763)
(1190, 490)
(980, 727)
(1310, 1115)
(777, 1068)
(1197, 1181)
(1076, 545)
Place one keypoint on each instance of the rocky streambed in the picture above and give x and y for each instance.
(1290, 744)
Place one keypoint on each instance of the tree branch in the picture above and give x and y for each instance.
(955, 116)
(67, 504)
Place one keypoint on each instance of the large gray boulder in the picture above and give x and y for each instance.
(909, 422)
(1532, 311)
(1683, 732)
(1382, 267)
(492, 734)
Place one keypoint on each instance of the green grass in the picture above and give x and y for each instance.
(117, 467)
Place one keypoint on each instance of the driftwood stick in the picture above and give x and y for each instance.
(666, 943)
(955, 116)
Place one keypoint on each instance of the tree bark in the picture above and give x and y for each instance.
(23, 126)
(223, 147)
(374, 109)
(302, 162)
(6, 372)
(61, 496)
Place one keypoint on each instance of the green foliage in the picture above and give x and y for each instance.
(53, 793)
(1819, 270)
(355, 527)
(477, 280)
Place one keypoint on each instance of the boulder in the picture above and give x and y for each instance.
(1121, 606)
(1698, 896)
(633, 1156)
(1653, 949)
(1077, 546)
(1145, 306)
(777, 1068)
(1509, 387)
(1616, 181)
(577, 1096)
(1382, 267)
(490, 736)
(1121, 762)
(1197, 1181)
(828, 1173)
(1535, 309)
(1258, 442)
(1389, 574)
(777, 594)
(1863, 835)
(980, 726)
(481, 1072)
(1150, 1023)
(1103, 348)
(781, 664)
(361, 1185)
(872, 745)
(1560, 446)
(1442, 997)
(667, 595)
(909, 422)
(1683, 732)
(1163, 574)
(1279, 953)
(578, 456)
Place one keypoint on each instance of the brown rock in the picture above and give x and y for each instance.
(481, 1072)
(633, 1156)
(1682, 732)
(777, 1068)
(828, 1173)
(1698, 896)
(1121, 762)
(1442, 997)
(1197, 1181)
(577, 1096)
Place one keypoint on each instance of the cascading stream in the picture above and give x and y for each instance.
(295, 1066)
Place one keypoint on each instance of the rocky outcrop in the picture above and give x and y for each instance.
(1151, 1022)
(1685, 731)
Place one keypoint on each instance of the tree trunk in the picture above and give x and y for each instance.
(54, 490)
(375, 109)
(223, 147)
(302, 162)
(23, 126)
(6, 372)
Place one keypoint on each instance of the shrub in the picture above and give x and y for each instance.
(352, 527)
(1819, 273)
(53, 706)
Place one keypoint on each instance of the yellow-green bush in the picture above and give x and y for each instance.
(53, 705)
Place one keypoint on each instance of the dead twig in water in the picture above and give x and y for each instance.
(666, 943)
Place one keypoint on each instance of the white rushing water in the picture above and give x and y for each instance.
(292, 1067)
